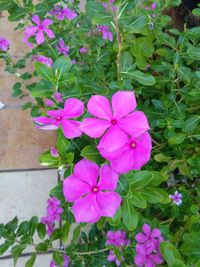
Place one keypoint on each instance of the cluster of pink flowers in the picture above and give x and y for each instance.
(176, 198)
(117, 239)
(63, 13)
(38, 31)
(65, 264)
(44, 60)
(124, 141)
(148, 247)
(4, 44)
(106, 33)
(73, 108)
(91, 188)
(53, 214)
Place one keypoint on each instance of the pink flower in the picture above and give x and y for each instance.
(106, 33)
(38, 30)
(44, 60)
(73, 108)
(153, 6)
(48, 102)
(117, 238)
(62, 48)
(109, 5)
(113, 257)
(83, 50)
(58, 97)
(61, 14)
(93, 197)
(54, 152)
(147, 256)
(116, 122)
(4, 44)
(132, 155)
(148, 235)
(177, 198)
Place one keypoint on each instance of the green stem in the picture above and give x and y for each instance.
(119, 45)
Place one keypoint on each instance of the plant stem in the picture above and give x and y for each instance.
(119, 44)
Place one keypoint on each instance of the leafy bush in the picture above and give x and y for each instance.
(113, 46)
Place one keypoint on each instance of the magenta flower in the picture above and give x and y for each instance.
(117, 239)
(132, 155)
(153, 6)
(176, 198)
(147, 256)
(93, 197)
(62, 14)
(44, 60)
(73, 108)
(62, 47)
(53, 214)
(106, 33)
(113, 257)
(148, 235)
(38, 30)
(4, 44)
(54, 152)
(58, 97)
(116, 122)
(48, 102)
(83, 50)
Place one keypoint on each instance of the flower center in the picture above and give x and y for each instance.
(133, 145)
(59, 118)
(41, 27)
(113, 122)
(95, 189)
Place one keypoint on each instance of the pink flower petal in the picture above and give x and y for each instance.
(43, 120)
(140, 249)
(99, 106)
(149, 263)
(113, 140)
(55, 113)
(140, 260)
(134, 124)
(71, 128)
(156, 233)
(47, 127)
(108, 178)
(108, 203)
(49, 33)
(156, 259)
(74, 188)
(86, 209)
(36, 19)
(30, 31)
(39, 37)
(146, 229)
(87, 171)
(140, 238)
(47, 22)
(123, 103)
(94, 128)
(124, 163)
(73, 108)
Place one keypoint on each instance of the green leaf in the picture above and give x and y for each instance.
(41, 230)
(65, 231)
(126, 61)
(129, 215)
(141, 77)
(76, 233)
(57, 191)
(138, 200)
(139, 179)
(41, 91)
(62, 143)
(58, 258)
(46, 159)
(123, 185)
(44, 71)
(170, 253)
(31, 261)
(194, 53)
(61, 68)
(12, 225)
(23, 228)
(116, 219)
(90, 152)
(33, 225)
(161, 158)
(151, 195)
(16, 252)
(191, 123)
(93, 8)
(137, 25)
(191, 245)
(177, 139)
(4, 247)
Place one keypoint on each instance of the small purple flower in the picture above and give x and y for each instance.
(106, 33)
(48, 102)
(62, 48)
(153, 6)
(62, 14)
(65, 264)
(73, 61)
(53, 214)
(38, 31)
(109, 5)
(44, 60)
(148, 235)
(113, 257)
(58, 97)
(54, 152)
(4, 44)
(117, 238)
(176, 198)
(83, 50)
